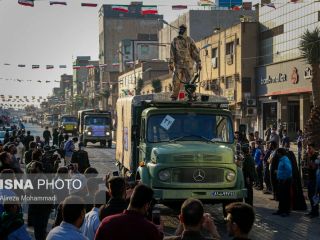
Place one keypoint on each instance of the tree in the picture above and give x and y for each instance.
(156, 84)
(310, 51)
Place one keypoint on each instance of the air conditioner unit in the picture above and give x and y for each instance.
(251, 102)
(251, 111)
(214, 62)
(229, 59)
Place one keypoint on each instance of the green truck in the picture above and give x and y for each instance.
(180, 149)
(95, 126)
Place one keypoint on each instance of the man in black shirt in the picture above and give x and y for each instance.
(47, 136)
(312, 170)
(28, 154)
(117, 202)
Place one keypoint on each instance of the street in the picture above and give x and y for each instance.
(267, 226)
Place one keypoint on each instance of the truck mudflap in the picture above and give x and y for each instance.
(207, 194)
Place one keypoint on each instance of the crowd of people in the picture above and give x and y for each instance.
(118, 212)
(269, 165)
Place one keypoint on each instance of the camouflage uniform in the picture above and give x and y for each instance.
(183, 54)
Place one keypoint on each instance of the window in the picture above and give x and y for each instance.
(214, 52)
(127, 49)
(229, 48)
(229, 83)
(272, 32)
(144, 49)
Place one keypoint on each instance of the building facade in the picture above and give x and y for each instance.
(80, 74)
(228, 60)
(283, 77)
(141, 49)
(116, 26)
(133, 81)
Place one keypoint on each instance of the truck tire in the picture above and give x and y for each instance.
(85, 143)
(110, 144)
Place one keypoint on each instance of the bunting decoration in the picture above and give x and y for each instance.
(179, 7)
(89, 4)
(120, 8)
(35, 66)
(28, 3)
(149, 10)
(62, 66)
(58, 3)
(49, 67)
(21, 65)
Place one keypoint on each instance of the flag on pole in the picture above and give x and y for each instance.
(179, 7)
(58, 3)
(21, 65)
(62, 66)
(89, 4)
(28, 3)
(149, 10)
(49, 67)
(120, 8)
(35, 66)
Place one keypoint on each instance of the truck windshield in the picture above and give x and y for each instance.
(97, 121)
(69, 119)
(189, 127)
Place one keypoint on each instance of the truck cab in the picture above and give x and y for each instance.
(68, 124)
(95, 126)
(180, 149)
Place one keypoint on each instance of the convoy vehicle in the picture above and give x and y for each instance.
(68, 124)
(181, 149)
(50, 120)
(95, 126)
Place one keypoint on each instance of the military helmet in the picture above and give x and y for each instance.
(183, 26)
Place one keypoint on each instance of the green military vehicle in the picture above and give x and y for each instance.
(95, 126)
(180, 149)
(68, 124)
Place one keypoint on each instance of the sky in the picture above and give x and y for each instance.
(53, 35)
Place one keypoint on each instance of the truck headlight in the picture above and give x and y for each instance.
(75, 127)
(89, 133)
(108, 133)
(164, 175)
(230, 176)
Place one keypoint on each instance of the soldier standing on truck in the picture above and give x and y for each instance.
(183, 54)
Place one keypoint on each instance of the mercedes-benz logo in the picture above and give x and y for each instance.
(199, 175)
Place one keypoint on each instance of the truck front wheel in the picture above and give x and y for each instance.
(84, 143)
(110, 144)
(103, 143)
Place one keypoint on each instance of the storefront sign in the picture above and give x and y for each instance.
(307, 73)
(277, 79)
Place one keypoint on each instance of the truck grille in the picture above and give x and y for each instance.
(197, 175)
(184, 157)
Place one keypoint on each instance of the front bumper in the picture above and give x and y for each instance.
(203, 194)
(97, 138)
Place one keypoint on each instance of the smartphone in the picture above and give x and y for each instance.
(156, 216)
(115, 173)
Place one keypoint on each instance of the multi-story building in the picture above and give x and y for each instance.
(283, 77)
(200, 24)
(115, 26)
(80, 74)
(134, 80)
(228, 69)
(93, 85)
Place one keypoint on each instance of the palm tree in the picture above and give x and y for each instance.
(310, 51)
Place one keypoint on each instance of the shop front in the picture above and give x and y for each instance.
(284, 92)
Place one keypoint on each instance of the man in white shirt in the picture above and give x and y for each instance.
(91, 221)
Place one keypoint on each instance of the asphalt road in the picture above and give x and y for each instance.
(267, 226)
